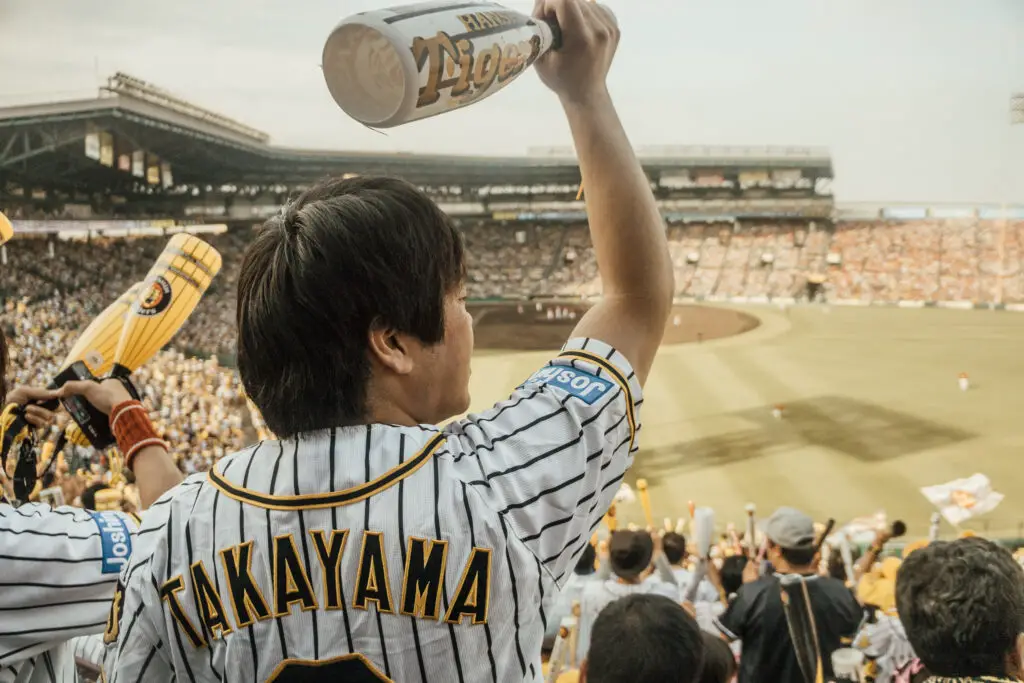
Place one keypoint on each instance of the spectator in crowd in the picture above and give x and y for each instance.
(962, 604)
(731, 574)
(644, 639)
(89, 495)
(630, 557)
(674, 547)
(757, 616)
(719, 661)
(882, 637)
(560, 602)
(726, 581)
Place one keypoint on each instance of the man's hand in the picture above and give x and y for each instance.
(103, 395)
(37, 416)
(590, 35)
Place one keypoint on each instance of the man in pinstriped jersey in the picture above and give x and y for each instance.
(59, 567)
(366, 544)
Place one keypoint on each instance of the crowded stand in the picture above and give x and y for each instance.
(292, 489)
(51, 290)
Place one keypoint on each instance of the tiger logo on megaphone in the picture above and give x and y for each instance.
(156, 299)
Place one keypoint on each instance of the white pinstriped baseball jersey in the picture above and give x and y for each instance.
(58, 573)
(383, 553)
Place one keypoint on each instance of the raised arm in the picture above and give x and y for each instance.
(625, 225)
(154, 470)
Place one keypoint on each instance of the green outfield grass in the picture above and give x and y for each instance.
(873, 412)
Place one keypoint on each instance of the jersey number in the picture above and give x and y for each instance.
(349, 668)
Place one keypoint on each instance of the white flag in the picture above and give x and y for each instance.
(962, 499)
(859, 529)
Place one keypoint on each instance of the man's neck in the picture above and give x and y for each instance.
(805, 570)
(635, 581)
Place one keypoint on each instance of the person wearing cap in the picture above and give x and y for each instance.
(817, 605)
(631, 559)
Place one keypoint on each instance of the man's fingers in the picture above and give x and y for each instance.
(78, 388)
(38, 416)
(26, 395)
(608, 21)
(568, 14)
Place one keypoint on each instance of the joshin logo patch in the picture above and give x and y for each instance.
(582, 385)
(115, 539)
(156, 297)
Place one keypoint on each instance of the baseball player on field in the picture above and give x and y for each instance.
(367, 544)
(60, 566)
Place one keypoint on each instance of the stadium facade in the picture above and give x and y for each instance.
(746, 223)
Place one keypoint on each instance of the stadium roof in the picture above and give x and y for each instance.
(43, 143)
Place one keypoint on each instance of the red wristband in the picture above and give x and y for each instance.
(133, 430)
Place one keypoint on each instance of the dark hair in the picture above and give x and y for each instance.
(630, 552)
(674, 547)
(732, 573)
(89, 495)
(346, 255)
(836, 566)
(585, 564)
(719, 661)
(798, 557)
(962, 604)
(645, 639)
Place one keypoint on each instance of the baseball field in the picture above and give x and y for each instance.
(872, 410)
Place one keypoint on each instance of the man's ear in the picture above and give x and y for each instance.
(583, 672)
(390, 348)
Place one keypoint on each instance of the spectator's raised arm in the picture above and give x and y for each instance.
(625, 225)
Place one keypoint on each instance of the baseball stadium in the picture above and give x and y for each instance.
(813, 356)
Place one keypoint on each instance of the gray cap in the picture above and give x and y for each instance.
(789, 528)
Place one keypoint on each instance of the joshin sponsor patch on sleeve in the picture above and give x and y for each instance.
(583, 385)
(115, 539)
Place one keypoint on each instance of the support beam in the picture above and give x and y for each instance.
(53, 141)
(11, 141)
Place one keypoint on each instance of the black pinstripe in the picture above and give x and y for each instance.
(207, 635)
(472, 540)
(124, 638)
(444, 584)
(241, 539)
(49, 667)
(270, 545)
(528, 463)
(90, 601)
(540, 587)
(515, 595)
(177, 629)
(145, 665)
(305, 549)
(366, 527)
(213, 529)
(401, 536)
(334, 525)
(508, 435)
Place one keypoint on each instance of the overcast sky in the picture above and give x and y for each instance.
(910, 96)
